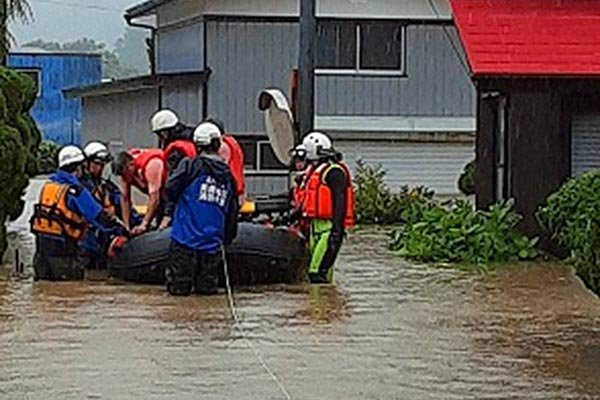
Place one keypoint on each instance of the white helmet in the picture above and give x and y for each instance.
(317, 145)
(164, 119)
(70, 155)
(96, 151)
(205, 133)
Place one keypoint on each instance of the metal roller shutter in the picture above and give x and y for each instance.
(585, 144)
(435, 165)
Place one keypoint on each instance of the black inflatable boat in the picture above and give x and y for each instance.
(259, 255)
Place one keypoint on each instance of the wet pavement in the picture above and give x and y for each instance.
(387, 330)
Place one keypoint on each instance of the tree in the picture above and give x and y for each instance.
(112, 66)
(131, 49)
(11, 10)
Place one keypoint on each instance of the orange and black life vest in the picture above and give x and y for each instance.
(318, 201)
(142, 158)
(52, 215)
(187, 148)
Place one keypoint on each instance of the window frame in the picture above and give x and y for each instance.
(358, 71)
(258, 142)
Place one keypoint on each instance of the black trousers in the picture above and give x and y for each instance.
(191, 270)
(55, 260)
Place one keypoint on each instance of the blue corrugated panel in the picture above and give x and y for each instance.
(59, 118)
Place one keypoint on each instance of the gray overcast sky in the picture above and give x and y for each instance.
(63, 20)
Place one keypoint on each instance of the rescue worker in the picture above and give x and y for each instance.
(300, 169)
(205, 218)
(176, 140)
(104, 190)
(61, 218)
(175, 137)
(95, 243)
(146, 170)
(328, 205)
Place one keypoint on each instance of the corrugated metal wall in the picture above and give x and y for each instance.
(120, 118)
(181, 48)
(58, 118)
(186, 101)
(585, 144)
(245, 58)
(435, 84)
(435, 165)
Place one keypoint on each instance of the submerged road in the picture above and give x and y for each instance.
(387, 330)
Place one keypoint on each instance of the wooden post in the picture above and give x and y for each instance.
(306, 66)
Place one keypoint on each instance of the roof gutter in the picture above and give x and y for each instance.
(150, 44)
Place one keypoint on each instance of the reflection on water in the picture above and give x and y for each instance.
(387, 330)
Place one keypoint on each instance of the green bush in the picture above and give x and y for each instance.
(455, 233)
(47, 157)
(572, 217)
(19, 141)
(376, 204)
(466, 181)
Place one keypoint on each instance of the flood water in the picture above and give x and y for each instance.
(387, 330)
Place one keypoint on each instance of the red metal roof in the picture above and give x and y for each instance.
(530, 37)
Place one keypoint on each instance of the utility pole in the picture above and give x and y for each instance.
(306, 66)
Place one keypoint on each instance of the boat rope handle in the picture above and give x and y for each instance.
(238, 324)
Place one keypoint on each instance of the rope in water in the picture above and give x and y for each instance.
(239, 327)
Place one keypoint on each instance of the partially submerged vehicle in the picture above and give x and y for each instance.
(261, 253)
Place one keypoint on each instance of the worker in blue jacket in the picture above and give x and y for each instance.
(205, 218)
(64, 213)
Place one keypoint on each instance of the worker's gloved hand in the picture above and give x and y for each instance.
(116, 246)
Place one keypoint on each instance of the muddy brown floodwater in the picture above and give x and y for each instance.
(387, 330)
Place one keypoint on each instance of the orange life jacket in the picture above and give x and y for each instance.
(53, 217)
(236, 163)
(299, 188)
(141, 159)
(318, 202)
(187, 148)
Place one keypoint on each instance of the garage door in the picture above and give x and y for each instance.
(585, 144)
(435, 165)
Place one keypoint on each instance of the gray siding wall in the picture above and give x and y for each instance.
(245, 58)
(257, 185)
(180, 48)
(186, 101)
(435, 84)
(120, 118)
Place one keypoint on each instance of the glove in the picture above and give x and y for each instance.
(116, 246)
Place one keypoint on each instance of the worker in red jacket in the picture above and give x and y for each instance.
(145, 169)
(175, 137)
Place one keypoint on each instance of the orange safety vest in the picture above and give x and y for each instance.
(184, 146)
(142, 158)
(236, 164)
(52, 215)
(318, 203)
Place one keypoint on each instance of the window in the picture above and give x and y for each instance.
(268, 159)
(360, 47)
(259, 155)
(35, 75)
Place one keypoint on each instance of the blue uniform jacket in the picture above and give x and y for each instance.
(206, 207)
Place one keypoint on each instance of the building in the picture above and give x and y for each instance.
(58, 118)
(537, 72)
(390, 84)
